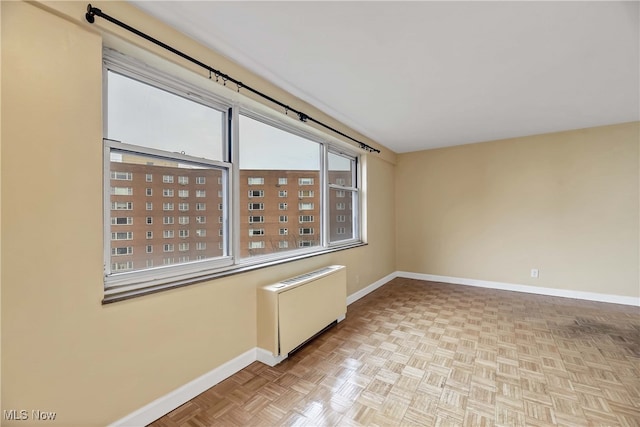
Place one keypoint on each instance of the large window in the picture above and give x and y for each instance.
(272, 157)
(344, 197)
(157, 126)
(157, 130)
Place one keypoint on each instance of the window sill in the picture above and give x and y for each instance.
(237, 269)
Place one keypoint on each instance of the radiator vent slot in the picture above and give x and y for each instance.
(311, 275)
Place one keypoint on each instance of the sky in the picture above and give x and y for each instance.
(140, 114)
(265, 147)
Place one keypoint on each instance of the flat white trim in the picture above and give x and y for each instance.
(372, 287)
(266, 357)
(177, 397)
(590, 296)
(172, 400)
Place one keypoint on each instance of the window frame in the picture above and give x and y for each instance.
(129, 220)
(127, 284)
(356, 205)
(259, 180)
(114, 235)
(128, 176)
(141, 280)
(303, 219)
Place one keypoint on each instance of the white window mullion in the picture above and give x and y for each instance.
(234, 220)
(107, 209)
(324, 197)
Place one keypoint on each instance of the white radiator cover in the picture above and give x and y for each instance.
(294, 310)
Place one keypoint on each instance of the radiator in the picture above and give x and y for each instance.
(292, 311)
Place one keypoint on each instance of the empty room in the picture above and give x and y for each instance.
(386, 213)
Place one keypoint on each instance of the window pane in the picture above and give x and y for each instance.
(276, 167)
(144, 115)
(341, 170)
(341, 203)
(145, 229)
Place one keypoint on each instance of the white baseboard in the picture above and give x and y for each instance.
(172, 400)
(372, 287)
(590, 296)
(267, 357)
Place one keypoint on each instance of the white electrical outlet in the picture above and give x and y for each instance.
(534, 273)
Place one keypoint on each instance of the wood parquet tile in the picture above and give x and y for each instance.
(416, 353)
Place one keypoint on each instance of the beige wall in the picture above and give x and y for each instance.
(565, 203)
(62, 350)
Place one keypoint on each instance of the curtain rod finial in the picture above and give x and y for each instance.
(90, 16)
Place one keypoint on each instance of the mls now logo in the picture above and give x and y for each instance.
(23, 415)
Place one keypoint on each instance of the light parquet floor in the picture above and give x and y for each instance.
(421, 353)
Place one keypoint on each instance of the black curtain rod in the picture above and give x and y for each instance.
(92, 12)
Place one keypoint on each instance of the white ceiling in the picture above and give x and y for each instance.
(419, 75)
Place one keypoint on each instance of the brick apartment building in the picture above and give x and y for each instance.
(282, 210)
(163, 214)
